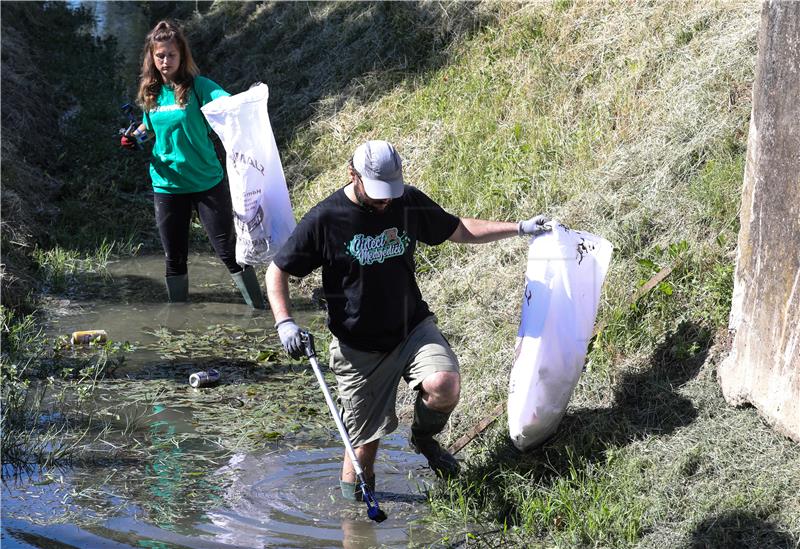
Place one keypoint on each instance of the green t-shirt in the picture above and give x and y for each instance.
(183, 158)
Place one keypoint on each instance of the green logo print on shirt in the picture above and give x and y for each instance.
(375, 249)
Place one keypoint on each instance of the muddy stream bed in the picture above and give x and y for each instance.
(250, 462)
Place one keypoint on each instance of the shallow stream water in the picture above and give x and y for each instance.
(126, 22)
(251, 462)
(280, 497)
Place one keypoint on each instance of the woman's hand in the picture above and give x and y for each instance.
(127, 142)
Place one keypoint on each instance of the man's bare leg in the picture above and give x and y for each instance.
(351, 490)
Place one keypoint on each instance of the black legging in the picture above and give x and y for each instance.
(173, 217)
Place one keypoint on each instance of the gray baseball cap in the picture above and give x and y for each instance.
(380, 168)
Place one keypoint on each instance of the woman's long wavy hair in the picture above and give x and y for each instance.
(150, 80)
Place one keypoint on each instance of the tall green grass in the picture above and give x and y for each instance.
(61, 268)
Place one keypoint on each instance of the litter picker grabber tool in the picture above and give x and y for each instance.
(132, 130)
(373, 510)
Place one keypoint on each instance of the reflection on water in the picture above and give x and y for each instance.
(295, 496)
(279, 498)
(127, 23)
(129, 303)
(252, 462)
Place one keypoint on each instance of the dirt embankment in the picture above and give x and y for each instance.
(30, 144)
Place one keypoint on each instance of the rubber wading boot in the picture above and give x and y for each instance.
(247, 282)
(427, 423)
(177, 288)
(351, 491)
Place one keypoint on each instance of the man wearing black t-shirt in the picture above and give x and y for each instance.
(364, 236)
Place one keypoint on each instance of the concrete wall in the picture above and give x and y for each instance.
(763, 367)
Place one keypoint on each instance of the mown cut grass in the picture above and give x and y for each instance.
(529, 117)
(308, 53)
(585, 507)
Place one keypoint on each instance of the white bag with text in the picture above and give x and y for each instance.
(262, 211)
(564, 276)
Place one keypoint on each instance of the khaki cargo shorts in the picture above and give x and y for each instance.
(368, 380)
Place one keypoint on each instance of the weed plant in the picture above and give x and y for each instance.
(46, 389)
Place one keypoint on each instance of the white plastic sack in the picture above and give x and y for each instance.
(262, 212)
(565, 272)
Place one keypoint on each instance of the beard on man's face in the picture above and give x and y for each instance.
(369, 204)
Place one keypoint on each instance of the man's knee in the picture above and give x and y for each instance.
(441, 390)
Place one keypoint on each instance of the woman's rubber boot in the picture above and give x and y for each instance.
(177, 288)
(247, 282)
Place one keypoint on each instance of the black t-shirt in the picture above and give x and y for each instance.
(367, 261)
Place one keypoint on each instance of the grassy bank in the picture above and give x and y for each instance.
(628, 121)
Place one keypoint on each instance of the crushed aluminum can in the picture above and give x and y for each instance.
(84, 337)
(204, 378)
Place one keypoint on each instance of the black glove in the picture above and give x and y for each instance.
(291, 337)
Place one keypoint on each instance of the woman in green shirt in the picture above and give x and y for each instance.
(185, 171)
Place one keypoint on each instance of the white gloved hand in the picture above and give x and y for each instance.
(534, 226)
(291, 337)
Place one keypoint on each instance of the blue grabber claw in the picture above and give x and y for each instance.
(374, 512)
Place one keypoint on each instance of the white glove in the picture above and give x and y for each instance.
(534, 226)
(291, 338)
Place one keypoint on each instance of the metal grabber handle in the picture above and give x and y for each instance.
(373, 510)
